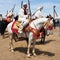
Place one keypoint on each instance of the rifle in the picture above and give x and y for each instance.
(37, 10)
(34, 12)
(6, 13)
(29, 10)
(13, 8)
(21, 4)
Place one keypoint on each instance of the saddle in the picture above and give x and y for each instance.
(15, 26)
(36, 33)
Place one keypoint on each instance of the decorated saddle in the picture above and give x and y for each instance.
(16, 27)
(36, 33)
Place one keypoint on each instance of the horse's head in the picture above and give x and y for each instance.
(10, 14)
(48, 23)
(49, 16)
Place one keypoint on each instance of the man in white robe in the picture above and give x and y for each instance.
(38, 13)
(23, 15)
(39, 19)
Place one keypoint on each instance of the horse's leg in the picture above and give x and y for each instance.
(26, 35)
(29, 44)
(33, 51)
(43, 36)
(15, 37)
(42, 40)
(11, 42)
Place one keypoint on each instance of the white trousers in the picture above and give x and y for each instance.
(24, 21)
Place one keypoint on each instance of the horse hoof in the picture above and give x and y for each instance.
(34, 54)
(12, 50)
(28, 55)
(41, 42)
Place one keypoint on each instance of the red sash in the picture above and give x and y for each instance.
(36, 32)
(13, 29)
(50, 27)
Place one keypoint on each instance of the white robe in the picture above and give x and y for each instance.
(22, 17)
(37, 24)
(38, 14)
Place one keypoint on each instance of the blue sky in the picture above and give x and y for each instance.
(47, 4)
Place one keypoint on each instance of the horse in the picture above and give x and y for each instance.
(5, 22)
(32, 34)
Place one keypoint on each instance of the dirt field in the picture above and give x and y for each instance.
(49, 51)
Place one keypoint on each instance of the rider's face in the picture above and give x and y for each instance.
(25, 6)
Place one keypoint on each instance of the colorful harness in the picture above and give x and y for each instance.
(14, 30)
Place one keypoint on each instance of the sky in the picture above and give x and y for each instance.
(34, 4)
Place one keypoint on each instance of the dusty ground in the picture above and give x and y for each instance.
(49, 51)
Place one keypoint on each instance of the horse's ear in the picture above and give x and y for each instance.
(16, 18)
(47, 16)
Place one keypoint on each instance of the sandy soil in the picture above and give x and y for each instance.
(49, 51)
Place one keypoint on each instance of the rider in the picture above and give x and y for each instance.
(23, 15)
(36, 25)
(38, 13)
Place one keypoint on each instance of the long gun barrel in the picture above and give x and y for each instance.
(29, 10)
(21, 4)
(13, 8)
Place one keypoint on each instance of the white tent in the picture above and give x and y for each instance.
(57, 18)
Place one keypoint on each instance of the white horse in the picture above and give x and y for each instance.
(36, 24)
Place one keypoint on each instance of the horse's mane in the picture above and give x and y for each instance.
(49, 16)
(16, 17)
